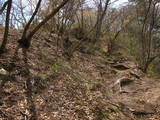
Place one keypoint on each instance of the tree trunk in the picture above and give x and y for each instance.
(3, 7)
(148, 62)
(5, 37)
(25, 42)
(100, 18)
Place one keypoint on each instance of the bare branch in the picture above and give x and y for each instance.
(3, 7)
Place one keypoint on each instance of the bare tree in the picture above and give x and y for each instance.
(25, 41)
(100, 17)
(5, 37)
(3, 7)
(147, 34)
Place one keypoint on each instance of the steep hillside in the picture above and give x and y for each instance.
(87, 87)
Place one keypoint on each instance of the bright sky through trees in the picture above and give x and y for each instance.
(120, 2)
(115, 3)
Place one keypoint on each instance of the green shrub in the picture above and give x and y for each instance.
(57, 64)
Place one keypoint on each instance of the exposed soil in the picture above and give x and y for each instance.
(54, 88)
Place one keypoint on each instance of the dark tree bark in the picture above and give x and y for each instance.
(5, 37)
(24, 35)
(3, 7)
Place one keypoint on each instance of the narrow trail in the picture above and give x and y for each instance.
(141, 96)
(81, 89)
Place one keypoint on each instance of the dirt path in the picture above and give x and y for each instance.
(80, 89)
(141, 97)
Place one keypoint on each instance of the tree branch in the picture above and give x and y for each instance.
(31, 19)
(47, 18)
(3, 7)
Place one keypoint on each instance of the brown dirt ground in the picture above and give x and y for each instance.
(53, 88)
